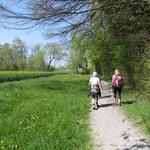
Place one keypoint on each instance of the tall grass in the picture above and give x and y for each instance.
(18, 75)
(48, 113)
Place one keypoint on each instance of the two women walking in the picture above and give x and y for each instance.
(96, 88)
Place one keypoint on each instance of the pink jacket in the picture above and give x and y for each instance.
(115, 78)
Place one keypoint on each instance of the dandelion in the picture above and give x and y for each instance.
(2, 142)
(2, 147)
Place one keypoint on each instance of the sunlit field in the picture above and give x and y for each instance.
(45, 113)
(6, 76)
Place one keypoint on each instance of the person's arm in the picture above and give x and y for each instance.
(90, 82)
(100, 84)
(89, 88)
(113, 80)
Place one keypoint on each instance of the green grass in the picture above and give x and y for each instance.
(6, 76)
(137, 109)
(48, 113)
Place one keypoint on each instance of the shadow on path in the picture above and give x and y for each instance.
(104, 105)
(138, 146)
(106, 96)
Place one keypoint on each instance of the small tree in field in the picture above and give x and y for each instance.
(53, 51)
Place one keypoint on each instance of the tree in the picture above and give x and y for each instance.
(6, 57)
(36, 60)
(53, 51)
(19, 54)
(77, 57)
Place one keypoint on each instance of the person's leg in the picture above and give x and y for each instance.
(114, 95)
(96, 103)
(99, 93)
(93, 102)
(96, 99)
(119, 96)
(93, 99)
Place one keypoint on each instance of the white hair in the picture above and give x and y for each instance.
(94, 74)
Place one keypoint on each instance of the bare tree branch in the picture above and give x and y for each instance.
(46, 13)
(73, 14)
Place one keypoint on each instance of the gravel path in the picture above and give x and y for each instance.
(111, 130)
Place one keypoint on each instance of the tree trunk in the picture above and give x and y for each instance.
(77, 71)
(49, 64)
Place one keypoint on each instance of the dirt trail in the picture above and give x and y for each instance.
(111, 130)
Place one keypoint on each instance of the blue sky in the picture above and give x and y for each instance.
(29, 37)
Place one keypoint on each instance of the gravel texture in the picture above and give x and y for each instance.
(111, 130)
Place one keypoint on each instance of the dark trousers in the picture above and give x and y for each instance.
(117, 90)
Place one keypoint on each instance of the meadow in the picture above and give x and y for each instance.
(47, 113)
(6, 76)
(51, 112)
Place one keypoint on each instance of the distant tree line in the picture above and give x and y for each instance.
(17, 56)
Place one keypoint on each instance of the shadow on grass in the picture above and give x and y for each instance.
(128, 102)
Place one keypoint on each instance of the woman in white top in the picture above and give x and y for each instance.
(96, 88)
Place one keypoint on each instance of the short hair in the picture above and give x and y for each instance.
(94, 74)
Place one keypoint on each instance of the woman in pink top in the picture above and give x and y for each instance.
(117, 84)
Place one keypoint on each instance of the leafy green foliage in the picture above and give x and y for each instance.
(77, 58)
(53, 52)
(37, 59)
(17, 56)
(6, 57)
(118, 37)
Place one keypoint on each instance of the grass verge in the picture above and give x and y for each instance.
(6, 76)
(137, 109)
(45, 113)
